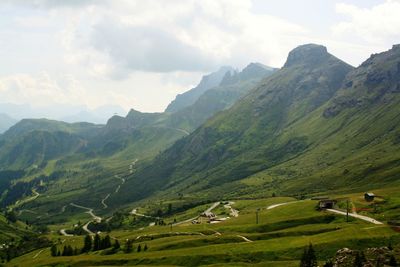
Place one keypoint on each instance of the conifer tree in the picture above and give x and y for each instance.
(128, 246)
(87, 244)
(53, 250)
(309, 259)
(96, 243)
(116, 245)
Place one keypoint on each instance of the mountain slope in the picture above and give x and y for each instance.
(316, 125)
(36, 141)
(246, 138)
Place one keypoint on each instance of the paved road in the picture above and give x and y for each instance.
(23, 201)
(89, 211)
(103, 201)
(233, 212)
(134, 212)
(213, 206)
(64, 233)
(278, 205)
(358, 216)
(86, 229)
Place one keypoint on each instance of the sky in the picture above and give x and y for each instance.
(140, 54)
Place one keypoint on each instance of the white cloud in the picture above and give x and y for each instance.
(142, 53)
(377, 25)
(172, 36)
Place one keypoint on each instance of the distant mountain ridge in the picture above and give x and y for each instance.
(207, 82)
(6, 122)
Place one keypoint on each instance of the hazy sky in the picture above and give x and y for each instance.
(140, 54)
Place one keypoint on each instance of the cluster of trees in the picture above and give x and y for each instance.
(98, 243)
(66, 251)
(129, 247)
(95, 244)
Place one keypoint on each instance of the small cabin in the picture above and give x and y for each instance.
(369, 196)
(327, 203)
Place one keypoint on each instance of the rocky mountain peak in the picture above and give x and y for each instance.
(307, 54)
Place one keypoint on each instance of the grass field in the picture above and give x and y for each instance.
(277, 240)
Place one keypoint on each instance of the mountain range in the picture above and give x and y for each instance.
(315, 126)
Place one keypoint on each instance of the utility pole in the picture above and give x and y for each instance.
(257, 211)
(347, 210)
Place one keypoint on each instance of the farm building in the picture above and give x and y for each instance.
(369, 197)
(327, 203)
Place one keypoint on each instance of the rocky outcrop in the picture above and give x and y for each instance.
(370, 257)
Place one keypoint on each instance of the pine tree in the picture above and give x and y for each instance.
(96, 242)
(116, 245)
(128, 246)
(139, 248)
(311, 256)
(53, 250)
(64, 252)
(308, 259)
(304, 258)
(87, 244)
(106, 242)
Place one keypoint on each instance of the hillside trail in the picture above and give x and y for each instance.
(116, 191)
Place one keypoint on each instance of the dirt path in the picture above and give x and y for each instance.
(37, 254)
(244, 238)
(358, 216)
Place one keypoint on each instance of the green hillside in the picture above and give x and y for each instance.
(277, 238)
(248, 138)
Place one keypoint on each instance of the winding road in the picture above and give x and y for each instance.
(355, 215)
(89, 211)
(103, 201)
(64, 233)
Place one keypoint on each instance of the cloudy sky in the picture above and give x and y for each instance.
(140, 54)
